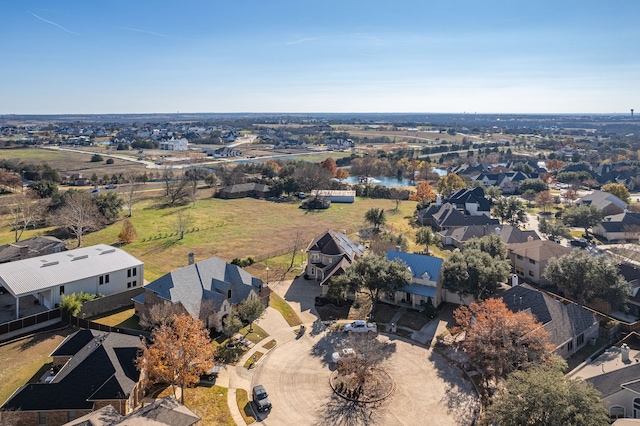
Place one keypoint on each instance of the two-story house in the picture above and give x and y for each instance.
(426, 280)
(99, 269)
(330, 254)
(531, 258)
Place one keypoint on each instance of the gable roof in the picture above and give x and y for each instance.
(448, 216)
(207, 281)
(508, 234)
(539, 250)
(102, 369)
(34, 245)
(601, 199)
(611, 382)
(27, 276)
(621, 222)
(165, 411)
(467, 195)
(562, 321)
(419, 263)
(334, 243)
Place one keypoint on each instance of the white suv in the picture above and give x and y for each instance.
(361, 326)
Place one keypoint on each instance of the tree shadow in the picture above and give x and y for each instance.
(341, 412)
(374, 349)
(461, 398)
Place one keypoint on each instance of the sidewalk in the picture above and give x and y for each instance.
(237, 376)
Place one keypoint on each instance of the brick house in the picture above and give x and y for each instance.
(91, 369)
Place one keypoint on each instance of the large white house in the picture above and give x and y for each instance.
(174, 145)
(99, 269)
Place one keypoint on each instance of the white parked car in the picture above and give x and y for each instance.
(340, 355)
(360, 326)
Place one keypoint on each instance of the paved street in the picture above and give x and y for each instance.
(296, 374)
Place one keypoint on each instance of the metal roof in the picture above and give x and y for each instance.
(420, 290)
(28, 276)
(419, 263)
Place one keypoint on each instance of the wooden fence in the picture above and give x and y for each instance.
(34, 322)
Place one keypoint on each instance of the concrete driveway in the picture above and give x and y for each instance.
(428, 389)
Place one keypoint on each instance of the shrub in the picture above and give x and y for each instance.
(96, 158)
(73, 302)
(110, 161)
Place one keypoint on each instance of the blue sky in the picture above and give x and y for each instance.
(487, 56)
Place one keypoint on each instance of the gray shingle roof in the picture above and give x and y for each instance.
(562, 321)
(36, 246)
(207, 280)
(601, 199)
(334, 243)
(610, 383)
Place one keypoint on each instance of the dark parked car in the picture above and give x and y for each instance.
(579, 243)
(261, 398)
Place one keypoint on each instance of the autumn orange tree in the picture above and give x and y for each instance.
(499, 341)
(128, 233)
(424, 194)
(544, 200)
(178, 353)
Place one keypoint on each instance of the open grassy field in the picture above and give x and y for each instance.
(122, 318)
(237, 228)
(25, 360)
(71, 162)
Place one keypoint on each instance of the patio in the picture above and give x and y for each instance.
(28, 306)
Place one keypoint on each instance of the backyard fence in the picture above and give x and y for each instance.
(11, 329)
(109, 303)
(86, 324)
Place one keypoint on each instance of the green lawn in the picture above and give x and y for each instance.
(257, 335)
(210, 403)
(250, 362)
(122, 318)
(280, 305)
(24, 361)
(244, 405)
(235, 228)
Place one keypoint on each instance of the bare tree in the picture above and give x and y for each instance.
(131, 194)
(177, 190)
(79, 214)
(159, 313)
(167, 176)
(311, 176)
(183, 222)
(22, 211)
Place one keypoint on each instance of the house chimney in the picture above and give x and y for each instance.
(398, 248)
(191, 258)
(624, 352)
(496, 230)
(24, 252)
(438, 200)
(514, 279)
(529, 238)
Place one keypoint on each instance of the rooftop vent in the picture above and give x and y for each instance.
(55, 262)
(84, 256)
(108, 251)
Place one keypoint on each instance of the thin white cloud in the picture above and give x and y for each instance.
(153, 33)
(301, 40)
(53, 23)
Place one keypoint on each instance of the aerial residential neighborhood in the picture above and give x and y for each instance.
(319, 213)
(295, 287)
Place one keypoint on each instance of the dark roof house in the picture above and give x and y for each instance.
(457, 237)
(95, 367)
(448, 216)
(31, 247)
(330, 254)
(570, 326)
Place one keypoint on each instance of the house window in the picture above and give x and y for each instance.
(71, 415)
(103, 279)
(531, 273)
(570, 345)
(313, 271)
(518, 257)
(131, 272)
(42, 418)
(531, 261)
(580, 340)
(616, 412)
(61, 290)
(229, 294)
(132, 284)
